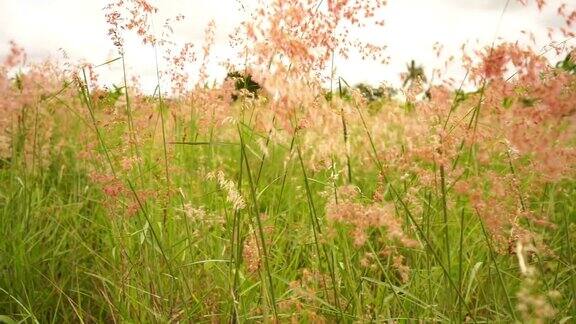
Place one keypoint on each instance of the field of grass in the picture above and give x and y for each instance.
(309, 205)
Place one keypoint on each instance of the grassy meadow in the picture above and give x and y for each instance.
(282, 198)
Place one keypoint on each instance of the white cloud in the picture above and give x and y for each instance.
(412, 27)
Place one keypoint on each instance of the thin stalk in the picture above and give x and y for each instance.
(455, 101)
(188, 231)
(500, 278)
(259, 225)
(35, 140)
(261, 166)
(570, 257)
(317, 230)
(163, 127)
(345, 134)
(428, 266)
(86, 94)
(460, 260)
(236, 249)
(132, 135)
(445, 216)
(283, 185)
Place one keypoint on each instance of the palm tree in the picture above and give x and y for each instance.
(414, 72)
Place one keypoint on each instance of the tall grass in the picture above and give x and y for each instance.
(292, 204)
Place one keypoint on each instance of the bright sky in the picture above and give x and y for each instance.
(42, 27)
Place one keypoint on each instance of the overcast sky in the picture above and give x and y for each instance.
(412, 27)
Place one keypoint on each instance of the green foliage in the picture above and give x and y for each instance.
(375, 94)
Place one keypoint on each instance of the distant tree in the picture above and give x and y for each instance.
(243, 82)
(368, 92)
(373, 94)
(413, 72)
